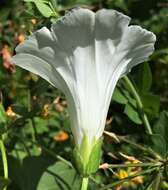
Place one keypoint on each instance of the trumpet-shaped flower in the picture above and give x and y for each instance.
(84, 54)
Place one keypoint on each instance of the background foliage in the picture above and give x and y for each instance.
(34, 123)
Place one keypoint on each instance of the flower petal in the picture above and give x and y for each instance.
(84, 55)
(110, 24)
(74, 34)
(138, 44)
(30, 57)
(39, 55)
(119, 47)
(75, 29)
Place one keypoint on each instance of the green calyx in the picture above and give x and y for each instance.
(87, 157)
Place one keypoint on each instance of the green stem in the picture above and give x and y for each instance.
(133, 144)
(34, 130)
(145, 149)
(31, 121)
(4, 160)
(134, 165)
(128, 178)
(85, 181)
(139, 104)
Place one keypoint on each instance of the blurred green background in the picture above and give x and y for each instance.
(34, 123)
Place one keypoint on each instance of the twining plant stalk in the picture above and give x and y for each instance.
(139, 104)
(4, 160)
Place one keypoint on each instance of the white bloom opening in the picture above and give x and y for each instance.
(84, 54)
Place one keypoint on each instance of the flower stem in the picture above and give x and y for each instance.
(139, 104)
(4, 160)
(85, 181)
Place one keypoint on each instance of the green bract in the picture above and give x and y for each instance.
(87, 157)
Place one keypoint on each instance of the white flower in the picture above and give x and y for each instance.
(84, 54)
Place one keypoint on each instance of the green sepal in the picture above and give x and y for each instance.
(95, 157)
(78, 161)
(87, 157)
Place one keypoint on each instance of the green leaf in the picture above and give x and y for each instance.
(164, 185)
(4, 14)
(121, 4)
(122, 96)
(44, 9)
(41, 125)
(144, 81)
(43, 173)
(119, 97)
(132, 113)
(59, 176)
(151, 103)
(161, 126)
(159, 144)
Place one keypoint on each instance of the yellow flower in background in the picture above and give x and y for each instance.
(10, 113)
(46, 111)
(122, 174)
(138, 180)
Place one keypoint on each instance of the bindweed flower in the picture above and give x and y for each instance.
(84, 54)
